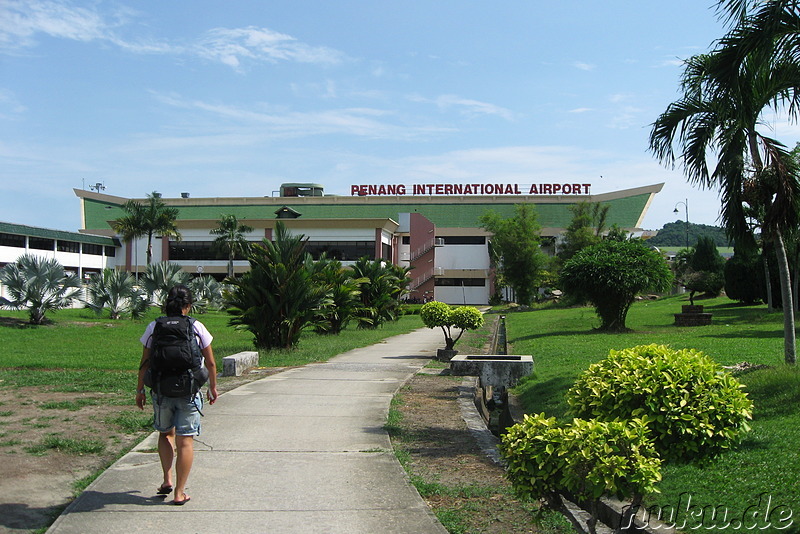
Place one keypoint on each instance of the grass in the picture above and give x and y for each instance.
(67, 445)
(564, 343)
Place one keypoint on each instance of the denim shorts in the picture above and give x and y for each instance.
(182, 413)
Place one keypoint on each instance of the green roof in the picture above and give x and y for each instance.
(624, 211)
(47, 233)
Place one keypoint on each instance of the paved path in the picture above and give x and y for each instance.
(302, 451)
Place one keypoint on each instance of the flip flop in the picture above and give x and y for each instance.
(181, 503)
(164, 490)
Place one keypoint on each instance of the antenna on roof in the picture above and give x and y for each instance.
(97, 187)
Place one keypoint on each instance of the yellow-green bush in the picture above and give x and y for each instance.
(692, 407)
(587, 459)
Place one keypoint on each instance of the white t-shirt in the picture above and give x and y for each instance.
(204, 337)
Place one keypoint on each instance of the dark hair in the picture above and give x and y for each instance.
(178, 298)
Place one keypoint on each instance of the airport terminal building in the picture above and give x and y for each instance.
(432, 228)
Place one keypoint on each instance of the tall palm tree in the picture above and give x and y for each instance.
(149, 219)
(717, 120)
(231, 239)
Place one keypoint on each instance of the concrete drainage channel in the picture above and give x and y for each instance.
(488, 410)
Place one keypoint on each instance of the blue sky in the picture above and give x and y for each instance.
(235, 98)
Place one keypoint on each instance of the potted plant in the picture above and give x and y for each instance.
(438, 314)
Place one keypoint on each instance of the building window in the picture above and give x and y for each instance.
(341, 250)
(68, 246)
(94, 250)
(12, 240)
(463, 240)
(111, 251)
(460, 282)
(192, 250)
(386, 251)
(406, 240)
(40, 243)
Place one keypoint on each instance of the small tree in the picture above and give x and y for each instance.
(117, 292)
(207, 293)
(150, 219)
(277, 298)
(703, 271)
(38, 285)
(515, 243)
(740, 273)
(439, 315)
(343, 292)
(611, 274)
(381, 288)
(231, 239)
(160, 277)
(585, 229)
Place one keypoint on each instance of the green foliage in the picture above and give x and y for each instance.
(343, 292)
(588, 459)
(440, 315)
(277, 298)
(515, 245)
(611, 274)
(702, 271)
(207, 293)
(231, 239)
(149, 219)
(160, 277)
(585, 228)
(744, 275)
(674, 235)
(38, 285)
(705, 256)
(692, 408)
(381, 288)
(117, 292)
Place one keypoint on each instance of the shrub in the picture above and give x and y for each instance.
(610, 275)
(438, 314)
(744, 276)
(692, 407)
(586, 459)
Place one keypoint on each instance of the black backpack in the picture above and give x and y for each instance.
(176, 362)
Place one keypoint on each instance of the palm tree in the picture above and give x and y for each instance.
(160, 277)
(278, 297)
(381, 290)
(719, 115)
(117, 291)
(38, 285)
(150, 219)
(231, 239)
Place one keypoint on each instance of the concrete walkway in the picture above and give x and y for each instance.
(302, 451)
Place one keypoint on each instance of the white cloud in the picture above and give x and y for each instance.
(580, 110)
(22, 21)
(580, 65)
(231, 46)
(465, 106)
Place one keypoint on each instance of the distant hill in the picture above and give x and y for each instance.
(674, 235)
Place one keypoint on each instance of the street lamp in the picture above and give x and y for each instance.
(686, 206)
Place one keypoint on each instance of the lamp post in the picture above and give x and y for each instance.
(686, 207)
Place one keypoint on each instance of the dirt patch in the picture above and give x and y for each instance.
(49, 440)
(462, 485)
(467, 490)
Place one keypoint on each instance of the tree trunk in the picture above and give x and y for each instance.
(768, 283)
(789, 343)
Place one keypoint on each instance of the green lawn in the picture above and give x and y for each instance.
(77, 350)
(563, 344)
